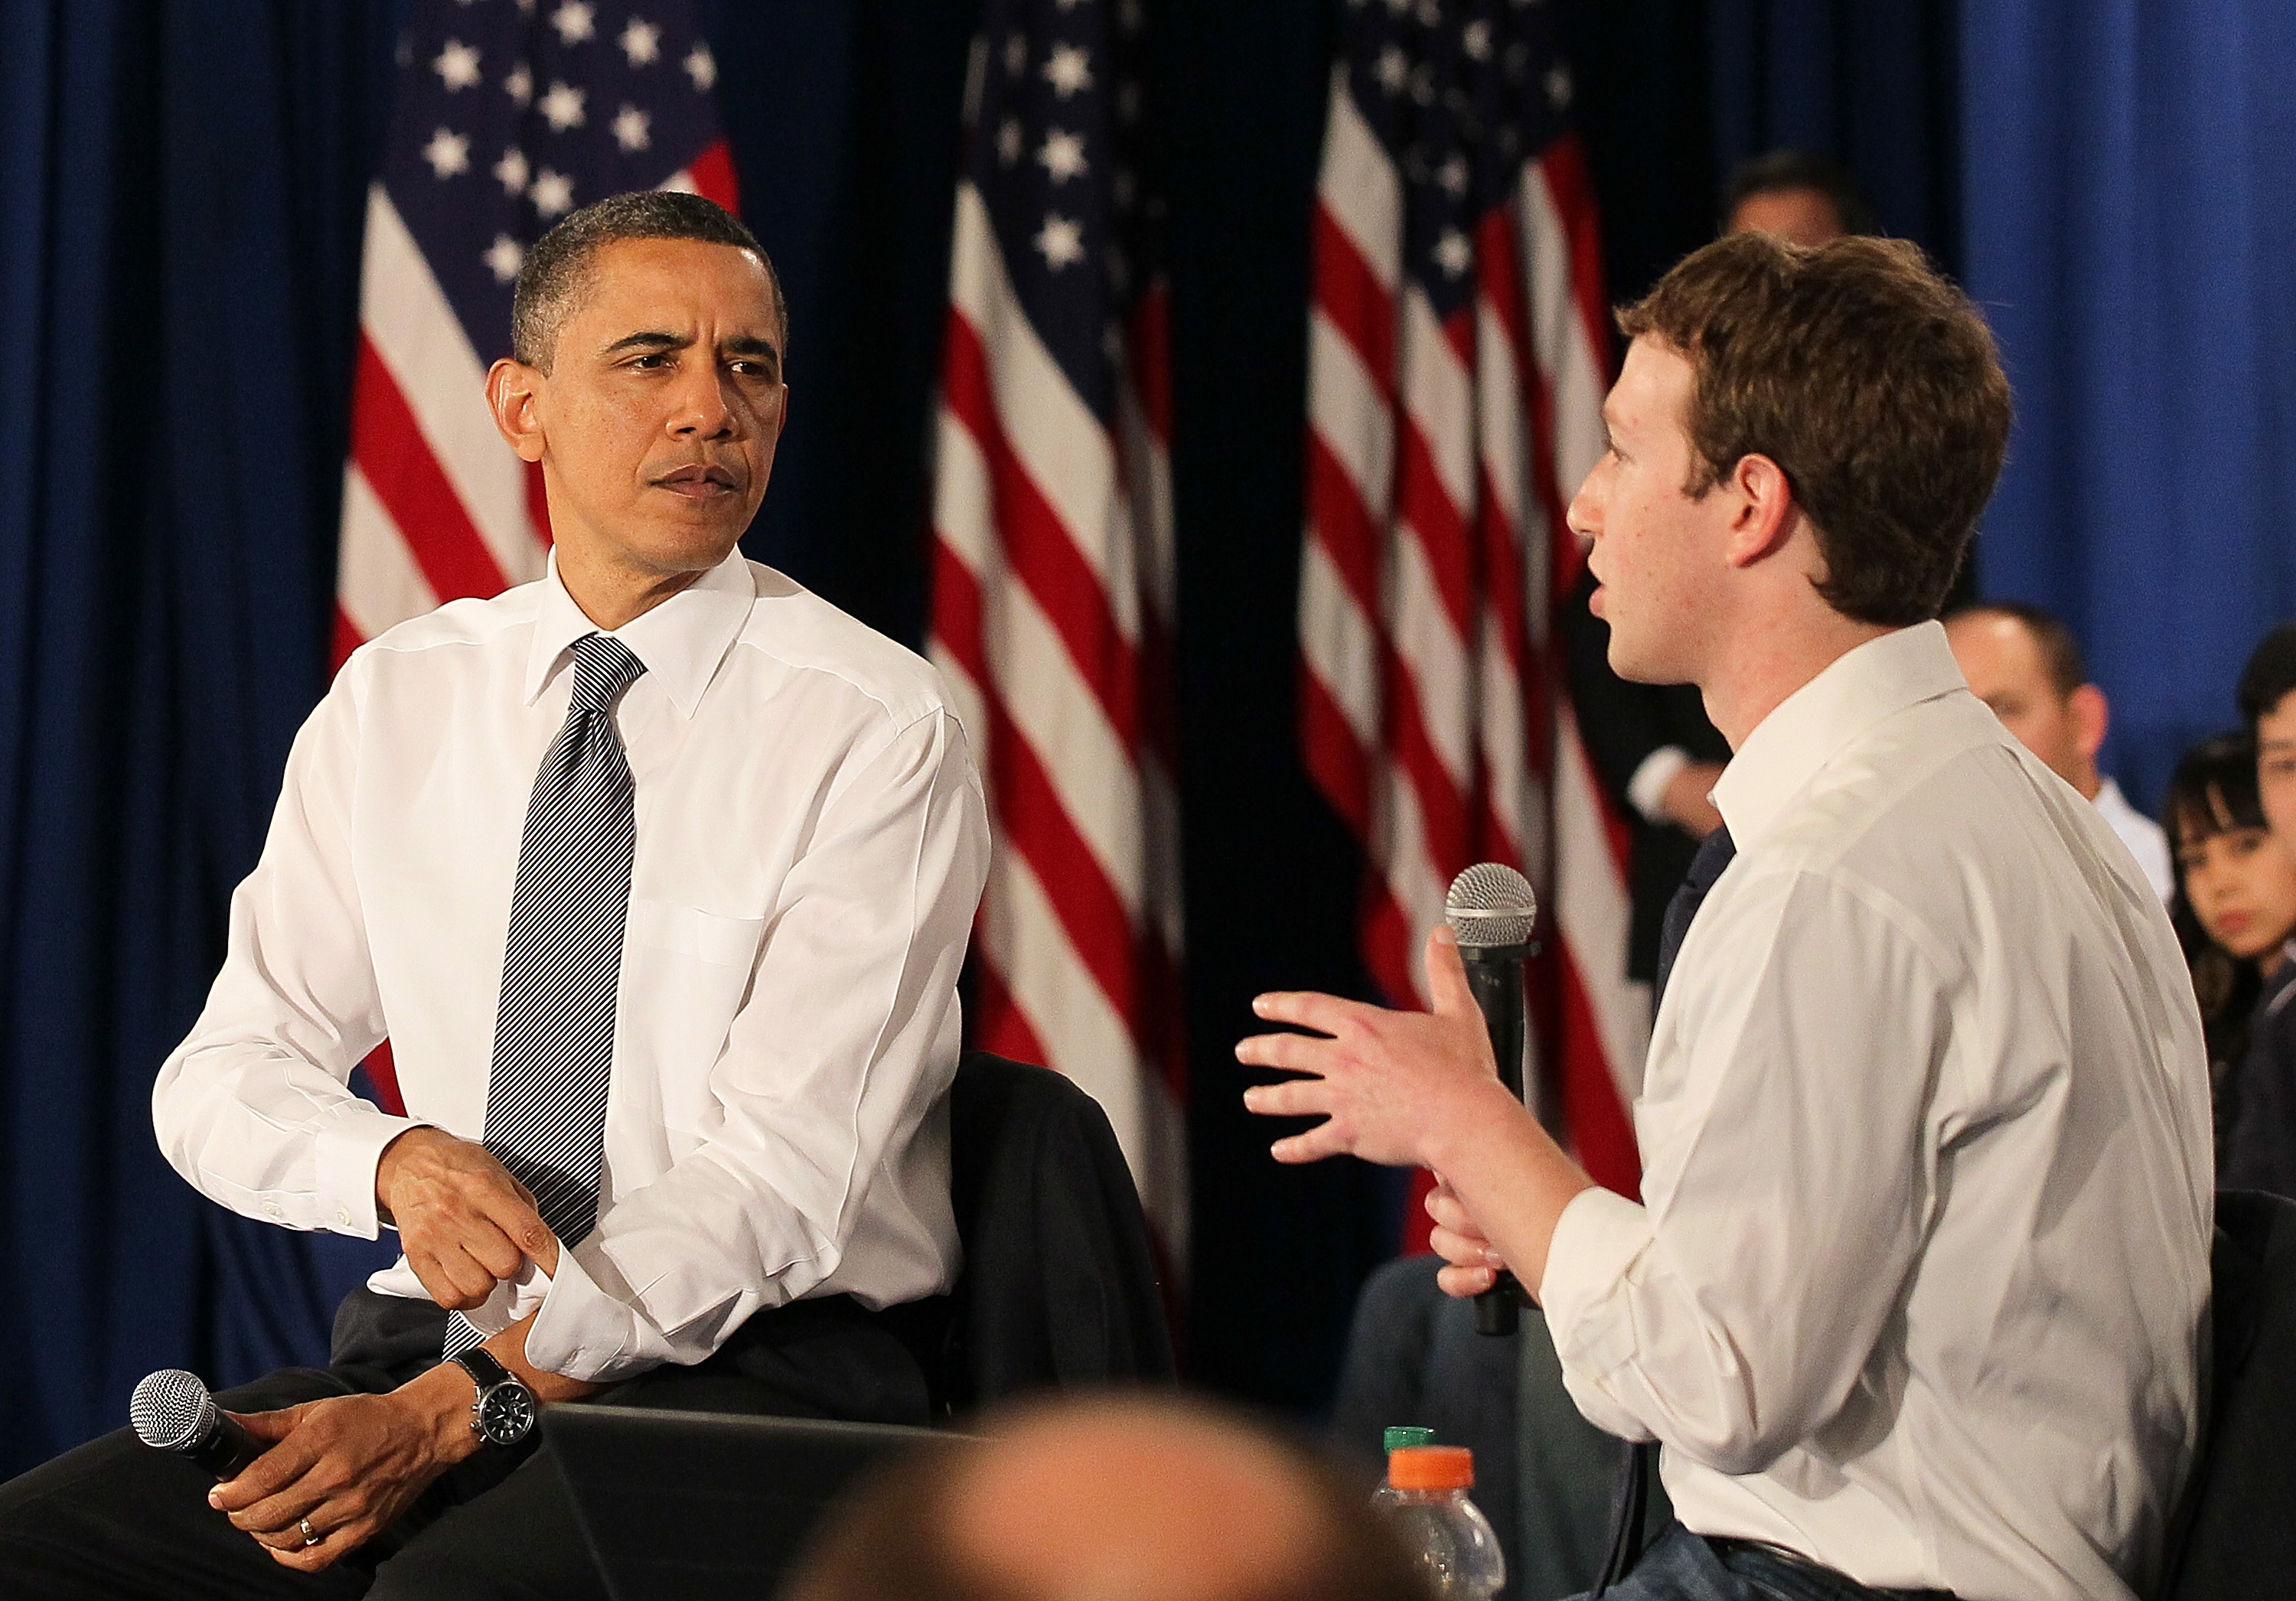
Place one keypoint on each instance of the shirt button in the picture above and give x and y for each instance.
(271, 1208)
(343, 1216)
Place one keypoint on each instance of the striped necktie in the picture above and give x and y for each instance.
(1639, 1462)
(563, 962)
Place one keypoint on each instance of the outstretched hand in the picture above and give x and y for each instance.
(465, 1222)
(1392, 1087)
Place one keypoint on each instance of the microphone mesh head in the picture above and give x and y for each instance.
(1491, 905)
(171, 1410)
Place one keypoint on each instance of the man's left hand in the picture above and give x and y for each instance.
(1389, 1085)
(347, 1466)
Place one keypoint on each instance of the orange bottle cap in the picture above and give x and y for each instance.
(1432, 1467)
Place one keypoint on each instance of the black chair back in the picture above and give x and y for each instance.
(2236, 1533)
(1059, 1288)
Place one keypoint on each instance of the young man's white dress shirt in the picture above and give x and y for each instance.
(811, 844)
(1924, 1248)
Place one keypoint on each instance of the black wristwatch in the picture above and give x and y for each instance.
(503, 1412)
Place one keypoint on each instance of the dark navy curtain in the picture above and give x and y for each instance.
(2131, 232)
(179, 200)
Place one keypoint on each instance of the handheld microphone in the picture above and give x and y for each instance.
(1492, 911)
(172, 1411)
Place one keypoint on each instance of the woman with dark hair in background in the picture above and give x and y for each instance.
(2235, 902)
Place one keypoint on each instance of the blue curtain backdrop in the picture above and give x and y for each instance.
(2131, 232)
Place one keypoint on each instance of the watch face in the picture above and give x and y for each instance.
(506, 1413)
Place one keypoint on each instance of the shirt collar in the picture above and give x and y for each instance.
(1884, 676)
(681, 641)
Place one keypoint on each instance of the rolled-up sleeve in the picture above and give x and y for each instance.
(1788, 1170)
(848, 1036)
(254, 1108)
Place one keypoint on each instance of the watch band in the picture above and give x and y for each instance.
(485, 1372)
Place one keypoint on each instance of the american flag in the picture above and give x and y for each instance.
(1052, 615)
(1458, 354)
(509, 114)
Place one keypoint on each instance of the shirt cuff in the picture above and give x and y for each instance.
(1596, 1243)
(584, 1332)
(1646, 790)
(349, 1148)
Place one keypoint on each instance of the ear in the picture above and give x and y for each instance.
(512, 387)
(2091, 717)
(1765, 516)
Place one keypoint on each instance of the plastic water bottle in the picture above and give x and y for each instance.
(1427, 1502)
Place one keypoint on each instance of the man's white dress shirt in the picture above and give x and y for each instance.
(2143, 836)
(1924, 1251)
(811, 843)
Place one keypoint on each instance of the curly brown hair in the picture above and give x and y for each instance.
(1872, 383)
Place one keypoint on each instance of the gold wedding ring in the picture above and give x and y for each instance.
(310, 1535)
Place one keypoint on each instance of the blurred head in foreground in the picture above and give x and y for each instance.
(1114, 1500)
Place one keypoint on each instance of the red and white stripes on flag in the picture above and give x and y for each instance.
(1442, 450)
(1053, 593)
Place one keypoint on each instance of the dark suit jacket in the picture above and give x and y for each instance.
(1623, 725)
(2260, 1145)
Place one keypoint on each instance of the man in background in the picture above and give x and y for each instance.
(2259, 1147)
(1795, 196)
(2023, 662)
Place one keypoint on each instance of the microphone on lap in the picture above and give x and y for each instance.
(172, 1411)
(1492, 911)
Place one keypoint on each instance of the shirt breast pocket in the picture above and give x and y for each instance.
(685, 974)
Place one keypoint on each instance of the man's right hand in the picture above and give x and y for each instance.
(465, 1222)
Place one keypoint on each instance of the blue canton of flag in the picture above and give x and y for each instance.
(510, 113)
(1059, 157)
(1461, 94)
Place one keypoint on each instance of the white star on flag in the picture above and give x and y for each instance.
(504, 257)
(1453, 175)
(457, 65)
(1062, 155)
(561, 108)
(1392, 69)
(574, 22)
(448, 154)
(553, 193)
(702, 67)
(632, 128)
(519, 85)
(1016, 55)
(641, 41)
(1452, 254)
(1558, 87)
(1069, 70)
(1008, 141)
(512, 172)
(1062, 241)
(1476, 39)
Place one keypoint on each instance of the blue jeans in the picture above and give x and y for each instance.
(1681, 1566)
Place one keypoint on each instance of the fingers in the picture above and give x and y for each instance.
(1464, 1250)
(1464, 1282)
(270, 1426)
(1293, 1098)
(1309, 1009)
(1446, 977)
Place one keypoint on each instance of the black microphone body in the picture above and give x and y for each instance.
(1492, 912)
(172, 1411)
(1495, 973)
